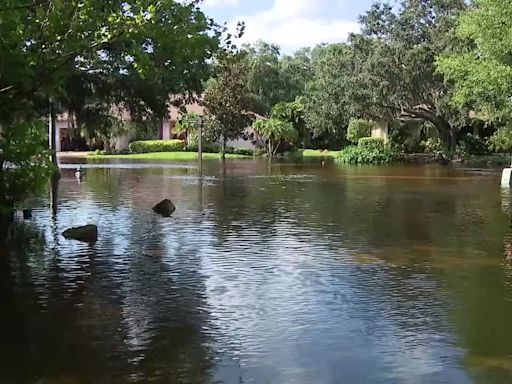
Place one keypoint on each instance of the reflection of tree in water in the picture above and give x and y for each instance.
(442, 240)
(115, 312)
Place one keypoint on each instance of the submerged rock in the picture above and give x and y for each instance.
(86, 234)
(165, 208)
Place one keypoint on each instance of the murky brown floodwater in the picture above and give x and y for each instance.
(292, 273)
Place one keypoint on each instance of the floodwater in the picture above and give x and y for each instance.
(282, 273)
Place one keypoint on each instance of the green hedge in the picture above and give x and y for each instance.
(207, 148)
(371, 143)
(150, 146)
(357, 129)
(243, 151)
(362, 155)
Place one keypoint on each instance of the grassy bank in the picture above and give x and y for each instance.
(166, 156)
(319, 153)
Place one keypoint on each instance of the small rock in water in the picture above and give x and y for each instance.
(27, 214)
(165, 208)
(86, 234)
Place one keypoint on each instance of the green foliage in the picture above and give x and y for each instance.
(157, 146)
(371, 143)
(292, 112)
(388, 70)
(397, 138)
(471, 145)
(501, 141)
(244, 151)
(206, 147)
(433, 145)
(273, 132)
(132, 51)
(87, 57)
(188, 122)
(25, 163)
(481, 69)
(357, 129)
(327, 104)
(227, 98)
(364, 155)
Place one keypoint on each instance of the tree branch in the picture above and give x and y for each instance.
(5, 89)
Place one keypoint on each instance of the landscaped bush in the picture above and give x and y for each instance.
(501, 141)
(433, 145)
(357, 129)
(207, 147)
(363, 155)
(371, 143)
(471, 145)
(243, 151)
(150, 146)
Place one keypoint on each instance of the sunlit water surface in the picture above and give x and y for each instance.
(281, 273)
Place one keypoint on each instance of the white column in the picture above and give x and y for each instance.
(56, 132)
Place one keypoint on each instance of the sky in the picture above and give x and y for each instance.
(291, 24)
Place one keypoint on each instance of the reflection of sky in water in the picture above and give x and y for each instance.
(276, 301)
(254, 279)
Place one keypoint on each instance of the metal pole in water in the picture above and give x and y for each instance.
(200, 146)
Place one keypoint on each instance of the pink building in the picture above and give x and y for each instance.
(67, 140)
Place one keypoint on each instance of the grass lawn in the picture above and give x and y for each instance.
(166, 156)
(319, 153)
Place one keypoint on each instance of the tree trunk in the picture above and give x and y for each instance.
(6, 220)
(223, 153)
(448, 136)
(53, 144)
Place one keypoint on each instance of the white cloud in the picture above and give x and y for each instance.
(220, 3)
(297, 23)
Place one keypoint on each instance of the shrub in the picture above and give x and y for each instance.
(243, 151)
(371, 143)
(363, 155)
(433, 145)
(471, 145)
(357, 129)
(501, 141)
(398, 137)
(207, 147)
(157, 146)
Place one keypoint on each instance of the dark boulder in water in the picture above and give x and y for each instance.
(85, 234)
(165, 208)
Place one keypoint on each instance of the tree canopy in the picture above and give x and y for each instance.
(141, 51)
(481, 69)
(227, 97)
(388, 70)
(86, 56)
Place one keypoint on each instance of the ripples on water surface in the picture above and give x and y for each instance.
(285, 274)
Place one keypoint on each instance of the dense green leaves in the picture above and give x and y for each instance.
(273, 132)
(149, 146)
(501, 141)
(227, 97)
(293, 113)
(481, 70)
(25, 164)
(358, 129)
(90, 56)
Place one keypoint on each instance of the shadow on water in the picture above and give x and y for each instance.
(116, 311)
(279, 272)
